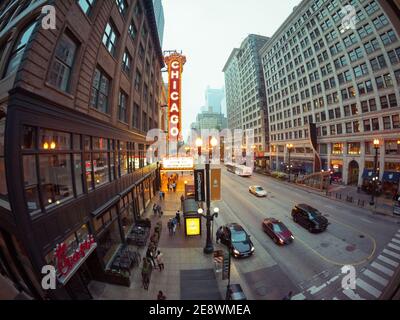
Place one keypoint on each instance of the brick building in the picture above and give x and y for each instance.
(76, 103)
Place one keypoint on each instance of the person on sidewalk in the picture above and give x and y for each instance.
(161, 195)
(160, 260)
(146, 274)
(170, 227)
(182, 198)
(150, 257)
(178, 217)
(158, 209)
(161, 296)
(161, 213)
(174, 186)
(154, 209)
(174, 223)
(288, 296)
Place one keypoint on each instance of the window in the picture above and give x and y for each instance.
(392, 100)
(354, 148)
(387, 123)
(380, 21)
(63, 62)
(126, 62)
(135, 116)
(144, 121)
(388, 37)
(132, 30)
(122, 111)
(86, 5)
(141, 51)
(110, 38)
(394, 56)
(100, 91)
(349, 128)
(19, 49)
(396, 121)
(122, 6)
(138, 80)
(367, 125)
(375, 124)
(384, 102)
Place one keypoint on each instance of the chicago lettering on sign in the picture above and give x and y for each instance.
(199, 190)
(175, 64)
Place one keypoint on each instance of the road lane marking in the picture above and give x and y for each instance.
(299, 296)
(314, 289)
(394, 246)
(376, 277)
(352, 295)
(370, 289)
(395, 240)
(382, 268)
(391, 253)
(388, 261)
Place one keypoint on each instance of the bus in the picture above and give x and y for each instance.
(240, 170)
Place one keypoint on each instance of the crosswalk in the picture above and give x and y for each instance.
(370, 282)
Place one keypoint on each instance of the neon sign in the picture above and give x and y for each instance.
(175, 64)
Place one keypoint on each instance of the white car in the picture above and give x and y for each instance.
(258, 191)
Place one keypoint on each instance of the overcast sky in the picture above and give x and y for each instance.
(207, 31)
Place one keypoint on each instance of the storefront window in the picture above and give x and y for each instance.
(28, 138)
(54, 140)
(353, 148)
(123, 156)
(56, 180)
(88, 171)
(31, 183)
(370, 165)
(392, 166)
(100, 165)
(392, 147)
(78, 174)
(76, 142)
(109, 242)
(337, 148)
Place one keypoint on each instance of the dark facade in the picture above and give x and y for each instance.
(75, 106)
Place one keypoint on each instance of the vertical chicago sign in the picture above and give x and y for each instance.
(175, 63)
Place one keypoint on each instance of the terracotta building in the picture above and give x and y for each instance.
(76, 103)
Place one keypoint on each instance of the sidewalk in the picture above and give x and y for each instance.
(188, 273)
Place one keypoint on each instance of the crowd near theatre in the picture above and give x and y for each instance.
(74, 177)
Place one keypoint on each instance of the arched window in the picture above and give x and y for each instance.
(19, 48)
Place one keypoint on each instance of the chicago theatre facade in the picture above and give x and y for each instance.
(75, 106)
(345, 82)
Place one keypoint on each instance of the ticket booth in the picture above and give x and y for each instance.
(192, 220)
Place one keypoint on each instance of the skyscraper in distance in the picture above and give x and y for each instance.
(160, 20)
(213, 99)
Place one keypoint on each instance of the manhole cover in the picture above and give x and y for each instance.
(262, 291)
(324, 244)
(351, 248)
(361, 236)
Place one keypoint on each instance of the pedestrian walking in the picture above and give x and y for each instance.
(170, 227)
(145, 273)
(182, 198)
(160, 260)
(158, 209)
(161, 195)
(174, 223)
(155, 209)
(161, 213)
(150, 257)
(288, 296)
(161, 296)
(174, 186)
(178, 217)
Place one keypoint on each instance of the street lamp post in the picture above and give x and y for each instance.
(375, 177)
(289, 147)
(209, 248)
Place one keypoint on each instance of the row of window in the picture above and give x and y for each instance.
(58, 166)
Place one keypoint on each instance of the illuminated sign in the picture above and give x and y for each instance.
(177, 163)
(193, 226)
(175, 64)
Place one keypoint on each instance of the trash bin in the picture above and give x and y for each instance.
(235, 292)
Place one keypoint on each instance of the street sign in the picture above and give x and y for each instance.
(199, 189)
(226, 267)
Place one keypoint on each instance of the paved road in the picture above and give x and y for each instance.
(311, 265)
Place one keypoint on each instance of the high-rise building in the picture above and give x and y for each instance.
(342, 81)
(210, 120)
(245, 93)
(160, 19)
(213, 99)
(75, 106)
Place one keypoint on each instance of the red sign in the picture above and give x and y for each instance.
(175, 64)
(66, 263)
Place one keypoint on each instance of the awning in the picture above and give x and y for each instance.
(389, 176)
(368, 174)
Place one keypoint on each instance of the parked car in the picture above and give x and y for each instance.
(277, 231)
(236, 239)
(258, 191)
(309, 218)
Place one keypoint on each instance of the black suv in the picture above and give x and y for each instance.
(236, 239)
(309, 218)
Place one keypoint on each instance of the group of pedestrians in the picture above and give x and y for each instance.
(157, 210)
(174, 222)
(172, 182)
(153, 260)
